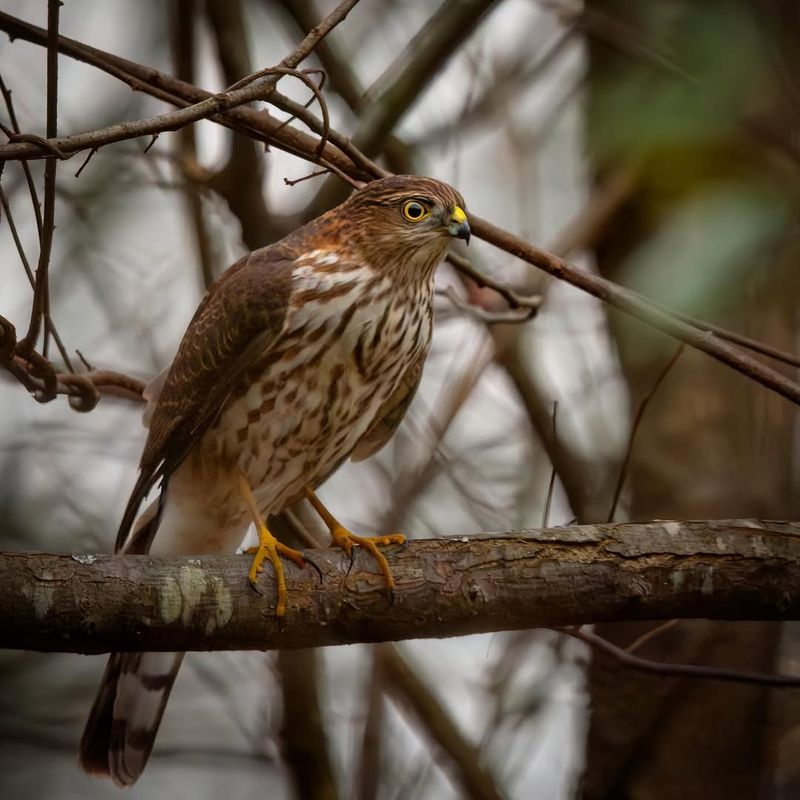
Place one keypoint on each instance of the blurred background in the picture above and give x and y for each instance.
(657, 143)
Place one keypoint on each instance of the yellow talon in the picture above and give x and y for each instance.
(268, 547)
(345, 539)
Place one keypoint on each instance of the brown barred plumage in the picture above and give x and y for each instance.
(302, 354)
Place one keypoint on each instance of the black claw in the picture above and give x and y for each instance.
(316, 568)
(352, 562)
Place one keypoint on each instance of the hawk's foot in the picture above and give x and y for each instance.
(270, 547)
(345, 539)
(341, 537)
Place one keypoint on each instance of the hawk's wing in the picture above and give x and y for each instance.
(236, 324)
(391, 412)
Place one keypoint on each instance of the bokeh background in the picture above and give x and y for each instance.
(657, 143)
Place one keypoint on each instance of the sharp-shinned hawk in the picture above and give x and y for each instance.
(302, 354)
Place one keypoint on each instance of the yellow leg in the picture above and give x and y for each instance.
(345, 539)
(268, 547)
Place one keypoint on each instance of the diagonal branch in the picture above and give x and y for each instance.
(637, 306)
(416, 698)
(740, 569)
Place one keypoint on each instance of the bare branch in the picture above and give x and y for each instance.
(627, 658)
(211, 106)
(409, 691)
(349, 163)
(514, 299)
(445, 587)
(634, 304)
(40, 308)
(40, 378)
(256, 124)
(489, 317)
(637, 421)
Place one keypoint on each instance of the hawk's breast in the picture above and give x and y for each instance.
(349, 336)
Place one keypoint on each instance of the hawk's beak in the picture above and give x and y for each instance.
(459, 226)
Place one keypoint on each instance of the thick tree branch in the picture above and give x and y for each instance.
(739, 569)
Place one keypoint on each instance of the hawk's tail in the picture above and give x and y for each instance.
(124, 719)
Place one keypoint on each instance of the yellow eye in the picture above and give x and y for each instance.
(414, 210)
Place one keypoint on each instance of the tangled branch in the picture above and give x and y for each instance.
(340, 156)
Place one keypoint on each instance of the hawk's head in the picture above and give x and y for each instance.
(405, 221)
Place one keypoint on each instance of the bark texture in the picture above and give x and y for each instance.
(736, 569)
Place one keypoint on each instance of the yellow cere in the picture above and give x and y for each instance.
(458, 216)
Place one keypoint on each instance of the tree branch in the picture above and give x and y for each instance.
(258, 124)
(637, 306)
(741, 569)
(349, 162)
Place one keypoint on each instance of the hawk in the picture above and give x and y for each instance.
(302, 354)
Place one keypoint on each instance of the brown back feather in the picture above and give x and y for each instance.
(238, 321)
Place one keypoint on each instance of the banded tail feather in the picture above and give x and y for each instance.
(122, 725)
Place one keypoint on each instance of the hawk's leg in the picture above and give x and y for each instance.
(268, 547)
(345, 539)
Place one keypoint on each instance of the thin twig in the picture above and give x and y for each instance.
(40, 306)
(489, 317)
(642, 640)
(514, 299)
(310, 175)
(12, 115)
(552, 482)
(699, 672)
(637, 420)
(304, 77)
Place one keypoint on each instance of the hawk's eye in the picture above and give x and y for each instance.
(414, 210)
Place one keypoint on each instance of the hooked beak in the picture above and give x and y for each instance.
(459, 227)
